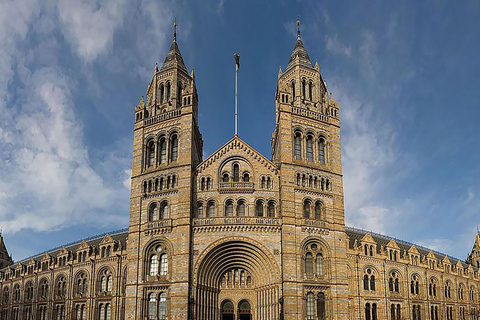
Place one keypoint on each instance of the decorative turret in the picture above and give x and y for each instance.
(5, 258)
(474, 257)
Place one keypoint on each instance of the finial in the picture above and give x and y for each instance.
(175, 29)
(298, 28)
(156, 68)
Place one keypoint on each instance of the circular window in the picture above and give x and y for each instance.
(314, 247)
(158, 248)
(369, 271)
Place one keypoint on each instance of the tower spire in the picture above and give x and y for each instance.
(175, 25)
(298, 29)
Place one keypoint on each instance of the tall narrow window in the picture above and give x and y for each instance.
(367, 312)
(108, 311)
(321, 306)
(162, 306)
(179, 92)
(298, 146)
(293, 90)
(236, 173)
(174, 147)
(306, 209)
(241, 208)
(153, 265)
(318, 210)
(163, 150)
(229, 208)
(321, 150)
(271, 209)
(162, 93)
(200, 210)
(168, 91)
(151, 153)
(246, 177)
(109, 283)
(259, 208)
(365, 282)
(310, 93)
(374, 311)
(310, 306)
(163, 264)
(211, 209)
(309, 148)
(319, 264)
(372, 283)
(309, 264)
(164, 210)
(304, 88)
(152, 306)
(153, 214)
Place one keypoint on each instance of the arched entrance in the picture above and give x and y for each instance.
(228, 312)
(244, 310)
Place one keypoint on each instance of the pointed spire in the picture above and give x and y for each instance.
(174, 54)
(155, 70)
(299, 54)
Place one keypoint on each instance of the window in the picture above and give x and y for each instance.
(179, 92)
(241, 208)
(395, 313)
(150, 154)
(211, 209)
(259, 208)
(164, 210)
(61, 286)
(60, 312)
(321, 306)
(271, 209)
(162, 145)
(164, 264)
(306, 208)
(200, 210)
(310, 306)
(153, 212)
(318, 210)
(368, 315)
(153, 265)
(414, 285)
(321, 150)
(298, 145)
(393, 282)
(81, 312)
(369, 280)
(236, 173)
(168, 91)
(162, 93)
(152, 306)
(309, 264)
(225, 177)
(104, 311)
(246, 177)
(319, 263)
(304, 87)
(310, 93)
(309, 148)
(106, 281)
(229, 208)
(173, 147)
(82, 284)
(293, 90)
(162, 306)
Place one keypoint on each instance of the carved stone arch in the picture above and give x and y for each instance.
(397, 271)
(104, 268)
(150, 137)
(299, 129)
(173, 130)
(231, 252)
(79, 272)
(371, 267)
(323, 243)
(416, 274)
(233, 159)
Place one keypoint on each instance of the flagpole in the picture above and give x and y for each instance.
(237, 66)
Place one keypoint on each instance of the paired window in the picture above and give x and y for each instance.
(448, 290)
(369, 280)
(42, 310)
(315, 311)
(43, 289)
(157, 306)
(434, 313)
(370, 311)
(415, 285)
(205, 183)
(317, 209)
(61, 286)
(449, 313)
(416, 312)
(16, 293)
(82, 284)
(266, 182)
(393, 255)
(393, 282)
(395, 312)
(157, 212)
(104, 311)
(432, 288)
(81, 311)
(106, 281)
(60, 312)
(314, 262)
(158, 261)
(153, 147)
(29, 291)
(368, 250)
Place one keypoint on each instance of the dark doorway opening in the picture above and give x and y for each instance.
(228, 310)
(244, 310)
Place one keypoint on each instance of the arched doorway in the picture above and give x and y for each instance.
(244, 310)
(228, 312)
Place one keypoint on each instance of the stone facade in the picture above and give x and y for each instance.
(236, 235)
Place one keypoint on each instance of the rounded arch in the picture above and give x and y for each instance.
(324, 247)
(238, 252)
(78, 273)
(371, 267)
(157, 241)
(397, 272)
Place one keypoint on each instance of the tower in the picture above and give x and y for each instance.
(5, 258)
(167, 145)
(306, 149)
(474, 257)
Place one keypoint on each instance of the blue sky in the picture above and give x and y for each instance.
(405, 74)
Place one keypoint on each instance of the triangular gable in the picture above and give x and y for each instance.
(83, 245)
(63, 251)
(446, 260)
(431, 255)
(237, 144)
(31, 262)
(413, 250)
(107, 239)
(46, 256)
(459, 264)
(393, 244)
(367, 238)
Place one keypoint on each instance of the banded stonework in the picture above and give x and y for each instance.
(238, 235)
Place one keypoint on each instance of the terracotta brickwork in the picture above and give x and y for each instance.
(237, 235)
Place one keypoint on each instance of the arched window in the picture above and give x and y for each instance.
(162, 306)
(374, 311)
(372, 283)
(179, 92)
(263, 182)
(319, 264)
(310, 306)
(16, 292)
(153, 265)
(168, 91)
(61, 285)
(304, 88)
(371, 251)
(152, 306)
(200, 210)
(162, 93)
(318, 210)
(306, 208)
(241, 208)
(43, 289)
(211, 209)
(310, 91)
(151, 153)
(229, 208)
(271, 209)
(298, 145)
(269, 183)
(236, 172)
(6, 295)
(225, 177)
(309, 264)
(173, 147)
(259, 208)
(164, 264)
(162, 145)
(309, 148)
(81, 284)
(321, 150)
(293, 90)
(367, 312)
(246, 177)
(164, 210)
(153, 212)
(365, 282)
(321, 306)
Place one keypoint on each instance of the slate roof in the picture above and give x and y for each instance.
(172, 56)
(300, 51)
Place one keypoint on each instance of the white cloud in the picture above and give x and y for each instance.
(371, 218)
(437, 244)
(337, 47)
(89, 25)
